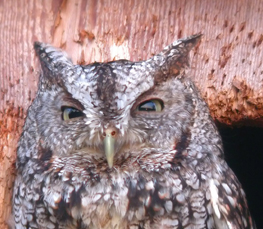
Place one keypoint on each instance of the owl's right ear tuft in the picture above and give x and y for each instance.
(174, 58)
(52, 60)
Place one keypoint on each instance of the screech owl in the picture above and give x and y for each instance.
(123, 145)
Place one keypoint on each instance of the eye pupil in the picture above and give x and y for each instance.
(70, 113)
(147, 106)
(151, 105)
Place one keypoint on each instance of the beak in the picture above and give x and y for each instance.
(109, 143)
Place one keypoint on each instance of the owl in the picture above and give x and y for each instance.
(123, 145)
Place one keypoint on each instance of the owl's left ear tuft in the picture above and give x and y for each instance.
(54, 64)
(174, 58)
(51, 59)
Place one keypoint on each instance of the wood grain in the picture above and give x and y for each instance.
(226, 67)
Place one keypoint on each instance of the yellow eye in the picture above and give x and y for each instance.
(151, 105)
(70, 112)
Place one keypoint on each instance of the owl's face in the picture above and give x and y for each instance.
(109, 110)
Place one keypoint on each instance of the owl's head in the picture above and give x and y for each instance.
(110, 109)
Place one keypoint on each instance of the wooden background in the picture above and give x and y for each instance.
(226, 67)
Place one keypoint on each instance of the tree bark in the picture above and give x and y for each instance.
(226, 66)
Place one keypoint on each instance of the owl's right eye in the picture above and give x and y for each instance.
(70, 112)
(151, 105)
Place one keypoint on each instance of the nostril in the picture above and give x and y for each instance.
(109, 132)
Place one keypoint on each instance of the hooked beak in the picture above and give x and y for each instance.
(109, 145)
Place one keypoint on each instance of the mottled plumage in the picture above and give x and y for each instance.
(123, 145)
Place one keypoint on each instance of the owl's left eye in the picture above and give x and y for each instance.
(70, 112)
(151, 105)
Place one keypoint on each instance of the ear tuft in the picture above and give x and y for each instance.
(174, 58)
(55, 64)
(182, 46)
(51, 59)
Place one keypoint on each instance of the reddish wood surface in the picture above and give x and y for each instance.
(226, 67)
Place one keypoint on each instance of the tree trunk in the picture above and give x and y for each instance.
(226, 67)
